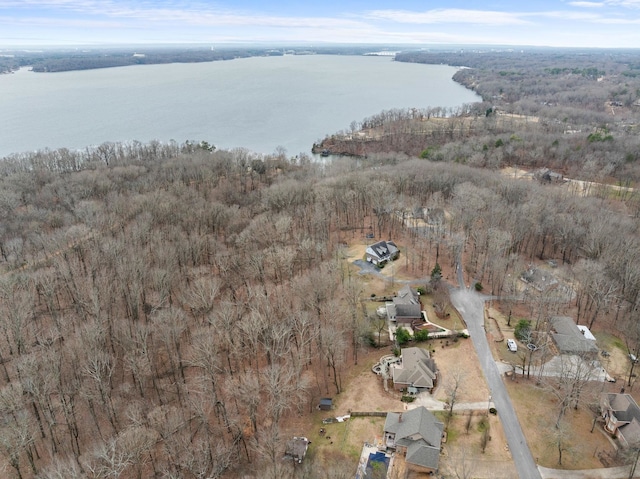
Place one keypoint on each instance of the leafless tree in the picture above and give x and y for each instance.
(452, 389)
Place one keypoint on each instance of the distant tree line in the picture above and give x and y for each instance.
(539, 110)
(58, 60)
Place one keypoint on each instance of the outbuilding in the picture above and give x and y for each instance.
(326, 404)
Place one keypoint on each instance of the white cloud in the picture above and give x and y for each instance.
(591, 18)
(634, 4)
(587, 4)
(451, 15)
(175, 12)
(60, 22)
(624, 3)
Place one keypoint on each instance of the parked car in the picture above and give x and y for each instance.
(512, 346)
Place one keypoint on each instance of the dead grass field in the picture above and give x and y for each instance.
(537, 411)
(463, 448)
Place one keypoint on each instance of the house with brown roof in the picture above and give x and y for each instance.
(417, 435)
(621, 416)
(416, 369)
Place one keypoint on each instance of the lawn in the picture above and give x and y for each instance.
(537, 411)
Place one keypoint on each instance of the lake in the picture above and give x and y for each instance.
(258, 103)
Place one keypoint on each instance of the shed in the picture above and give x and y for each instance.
(326, 404)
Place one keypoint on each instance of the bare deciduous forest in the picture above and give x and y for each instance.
(167, 310)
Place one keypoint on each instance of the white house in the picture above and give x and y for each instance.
(381, 252)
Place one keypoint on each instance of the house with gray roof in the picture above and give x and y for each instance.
(407, 295)
(417, 435)
(569, 339)
(416, 369)
(405, 308)
(545, 175)
(382, 252)
(405, 314)
(297, 449)
(621, 416)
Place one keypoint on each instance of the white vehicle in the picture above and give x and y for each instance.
(512, 346)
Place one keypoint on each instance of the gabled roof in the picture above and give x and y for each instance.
(423, 456)
(624, 407)
(418, 369)
(407, 296)
(408, 311)
(297, 448)
(420, 376)
(569, 338)
(627, 415)
(420, 432)
(382, 249)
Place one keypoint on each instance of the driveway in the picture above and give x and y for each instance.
(471, 306)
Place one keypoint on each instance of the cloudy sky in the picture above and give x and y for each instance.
(598, 23)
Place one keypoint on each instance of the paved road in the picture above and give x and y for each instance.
(471, 305)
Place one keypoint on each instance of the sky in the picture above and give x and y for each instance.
(560, 23)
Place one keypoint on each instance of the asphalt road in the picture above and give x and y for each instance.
(471, 305)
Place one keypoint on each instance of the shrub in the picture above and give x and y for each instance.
(436, 272)
(522, 329)
(478, 286)
(370, 339)
(599, 137)
(483, 424)
(428, 153)
(402, 336)
(408, 398)
(421, 335)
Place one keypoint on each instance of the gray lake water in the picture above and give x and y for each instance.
(257, 103)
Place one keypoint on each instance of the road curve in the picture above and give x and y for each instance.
(470, 304)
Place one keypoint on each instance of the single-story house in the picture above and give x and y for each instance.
(297, 449)
(621, 416)
(416, 369)
(416, 434)
(381, 252)
(569, 339)
(539, 279)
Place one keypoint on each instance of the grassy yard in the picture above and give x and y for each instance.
(537, 411)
